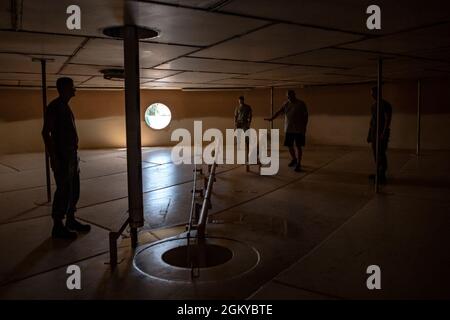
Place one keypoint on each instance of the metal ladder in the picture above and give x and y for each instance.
(198, 217)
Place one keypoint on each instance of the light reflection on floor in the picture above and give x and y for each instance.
(327, 214)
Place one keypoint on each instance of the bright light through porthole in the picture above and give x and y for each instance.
(157, 116)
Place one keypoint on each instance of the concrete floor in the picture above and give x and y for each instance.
(316, 232)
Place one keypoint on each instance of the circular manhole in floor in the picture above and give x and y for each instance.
(217, 258)
(197, 256)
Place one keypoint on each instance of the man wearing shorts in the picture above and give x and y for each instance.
(295, 122)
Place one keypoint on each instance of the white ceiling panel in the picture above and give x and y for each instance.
(22, 76)
(279, 54)
(180, 85)
(193, 3)
(274, 42)
(405, 63)
(26, 42)
(82, 69)
(5, 14)
(331, 79)
(346, 14)
(332, 57)
(156, 74)
(250, 82)
(50, 16)
(213, 85)
(24, 63)
(176, 24)
(365, 71)
(101, 82)
(196, 77)
(163, 85)
(51, 78)
(438, 53)
(9, 82)
(36, 83)
(214, 65)
(289, 85)
(411, 68)
(192, 27)
(109, 52)
(77, 79)
(432, 37)
(417, 74)
(400, 68)
(91, 70)
(288, 73)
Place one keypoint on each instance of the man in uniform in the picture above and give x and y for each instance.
(243, 119)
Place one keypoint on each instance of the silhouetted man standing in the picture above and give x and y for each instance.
(243, 115)
(243, 119)
(61, 139)
(383, 134)
(295, 123)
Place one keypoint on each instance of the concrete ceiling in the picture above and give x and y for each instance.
(227, 44)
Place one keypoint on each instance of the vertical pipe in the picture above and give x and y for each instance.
(419, 103)
(271, 106)
(134, 237)
(44, 105)
(377, 135)
(112, 249)
(133, 130)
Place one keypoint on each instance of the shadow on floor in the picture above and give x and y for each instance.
(34, 257)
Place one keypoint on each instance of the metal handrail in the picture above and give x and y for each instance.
(206, 203)
(191, 214)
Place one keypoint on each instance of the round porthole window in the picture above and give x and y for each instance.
(157, 116)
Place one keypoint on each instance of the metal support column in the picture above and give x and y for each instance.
(271, 106)
(419, 103)
(377, 135)
(43, 62)
(133, 130)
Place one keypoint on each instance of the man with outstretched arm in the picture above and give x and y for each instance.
(295, 123)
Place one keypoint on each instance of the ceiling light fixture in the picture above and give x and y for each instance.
(113, 73)
(118, 32)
